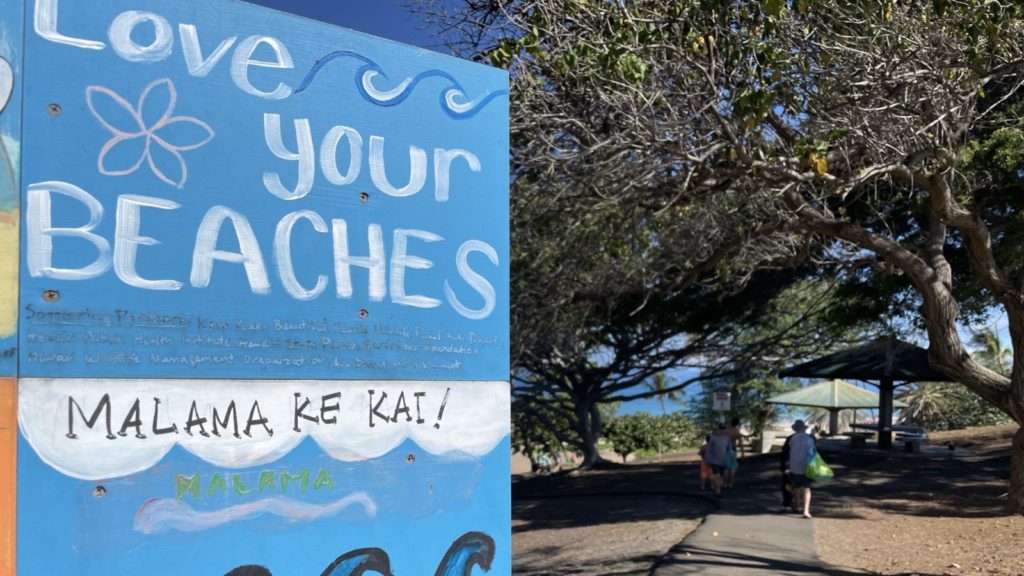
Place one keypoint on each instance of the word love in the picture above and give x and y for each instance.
(120, 36)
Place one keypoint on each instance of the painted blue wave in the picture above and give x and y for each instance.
(358, 562)
(471, 550)
(365, 75)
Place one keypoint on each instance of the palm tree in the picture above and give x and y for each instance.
(659, 384)
(928, 403)
(992, 354)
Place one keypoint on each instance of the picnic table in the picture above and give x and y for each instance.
(909, 434)
(859, 439)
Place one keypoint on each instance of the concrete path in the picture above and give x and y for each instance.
(749, 534)
(746, 536)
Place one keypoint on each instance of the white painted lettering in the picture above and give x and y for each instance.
(120, 36)
(475, 281)
(197, 65)
(39, 232)
(248, 255)
(45, 23)
(305, 157)
(283, 255)
(329, 155)
(127, 240)
(400, 260)
(417, 169)
(343, 261)
(242, 60)
(442, 169)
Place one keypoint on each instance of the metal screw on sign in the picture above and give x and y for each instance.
(363, 313)
(99, 491)
(364, 197)
(410, 458)
(54, 109)
(51, 295)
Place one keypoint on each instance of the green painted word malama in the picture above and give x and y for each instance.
(271, 481)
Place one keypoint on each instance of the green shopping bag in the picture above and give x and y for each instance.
(817, 469)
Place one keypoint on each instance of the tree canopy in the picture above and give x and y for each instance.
(685, 146)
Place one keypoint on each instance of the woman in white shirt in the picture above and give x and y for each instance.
(801, 450)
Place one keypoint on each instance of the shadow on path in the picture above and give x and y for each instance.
(744, 532)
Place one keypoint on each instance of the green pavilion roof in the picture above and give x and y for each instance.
(834, 394)
(881, 359)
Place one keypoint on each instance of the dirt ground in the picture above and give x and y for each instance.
(615, 521)
(926, 517)
(906, 516)
(589, 543)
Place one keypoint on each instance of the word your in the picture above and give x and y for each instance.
(40, 233)
(306, 158)
(269, 481)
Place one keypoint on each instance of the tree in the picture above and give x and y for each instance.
(991, 353)
(642, 431)
(659, 386)
(947, 406)
(879, 139)
(538, 427)
(715, 333)
(630, 433)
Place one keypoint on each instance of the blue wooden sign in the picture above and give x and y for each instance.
(260, 316)
(217, 190)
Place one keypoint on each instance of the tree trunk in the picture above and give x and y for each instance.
(588, 425)
(1016, 497)
(584, 426)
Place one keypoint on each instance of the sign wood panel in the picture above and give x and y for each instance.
(261, 323)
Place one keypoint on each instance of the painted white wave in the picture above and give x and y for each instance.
(148, 417)
(451, 96)
(383, 96)
(164, 514)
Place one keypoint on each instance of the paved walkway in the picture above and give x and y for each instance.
(748, 534)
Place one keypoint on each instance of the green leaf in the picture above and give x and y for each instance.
(774, 8)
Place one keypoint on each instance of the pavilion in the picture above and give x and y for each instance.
(834, 396)
(886, 361)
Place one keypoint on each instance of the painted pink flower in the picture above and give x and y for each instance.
(135, 132)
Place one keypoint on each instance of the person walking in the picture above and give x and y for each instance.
(801, 450)
(717, 453)
(705, 467)
(732, 464)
